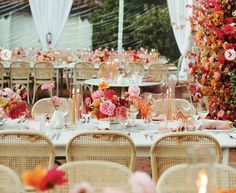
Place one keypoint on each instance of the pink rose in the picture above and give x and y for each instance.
(134, 91)
(220, 114)
(8, 93)
(107, 108)
(97, 94)
(83, 187)
(142, 183)
(216, 75)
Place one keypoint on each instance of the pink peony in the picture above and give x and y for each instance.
(220, 114)
(83, 187)
(142, 183)
(97, 94)
(48, 86)
(8, 93)
(134, 91)
(107, 108)
(216, 75)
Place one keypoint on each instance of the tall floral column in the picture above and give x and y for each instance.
(214, 31)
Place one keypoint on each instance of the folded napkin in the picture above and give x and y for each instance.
(215, 124)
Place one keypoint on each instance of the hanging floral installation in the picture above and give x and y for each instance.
(211, 74)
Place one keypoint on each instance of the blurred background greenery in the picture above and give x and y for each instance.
(146, 24)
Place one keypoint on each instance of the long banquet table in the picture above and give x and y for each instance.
(70, 66)
(142, 134)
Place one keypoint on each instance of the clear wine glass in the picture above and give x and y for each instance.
(133, 112)
(203, 107)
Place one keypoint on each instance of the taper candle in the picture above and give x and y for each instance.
(78, 96)
(73, 106)
(170, 103)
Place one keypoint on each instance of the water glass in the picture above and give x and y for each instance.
(203, 107)
(121, 113)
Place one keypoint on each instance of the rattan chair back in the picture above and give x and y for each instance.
(176, 178)
(158, 71)
(135, 67)
(173, 148)
(45, 107)
(99, 174)
(24, 150)
(83, 71)
(177, 104)
(9, 181)
(43, 72)
(112, 146)
(19, 70)
(2, 72)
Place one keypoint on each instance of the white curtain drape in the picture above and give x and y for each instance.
(50, 17)
(179, 15)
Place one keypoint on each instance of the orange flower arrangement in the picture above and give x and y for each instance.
(43, 179)
(145, 109)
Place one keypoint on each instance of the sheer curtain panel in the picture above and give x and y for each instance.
(179, 15)
(49, 18)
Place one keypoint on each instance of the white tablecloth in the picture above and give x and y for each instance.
(142, 134)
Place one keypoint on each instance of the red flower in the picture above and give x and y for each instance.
(217, 7)
(229, 20)
(109, 94)
(53, 177)
(221, 59)
(229, 46)
(228, 29)
(219, 33)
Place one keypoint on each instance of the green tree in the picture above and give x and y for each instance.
(154, 30)
(145, 25)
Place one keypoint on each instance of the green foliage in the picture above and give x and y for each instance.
(145, 25)
(154, 30)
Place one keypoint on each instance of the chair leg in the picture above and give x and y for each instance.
(28, 94)
(34, 92)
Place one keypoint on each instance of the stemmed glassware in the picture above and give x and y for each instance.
(122, 116)
(202, 110)
(133, 112)
(203, 107)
